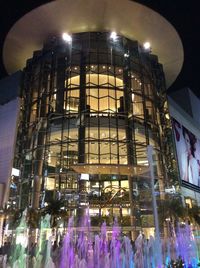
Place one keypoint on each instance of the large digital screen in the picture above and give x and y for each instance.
(188, 153)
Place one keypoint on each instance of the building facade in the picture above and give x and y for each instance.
(90, 108)
(9, 115)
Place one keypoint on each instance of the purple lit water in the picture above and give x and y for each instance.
(82, 248)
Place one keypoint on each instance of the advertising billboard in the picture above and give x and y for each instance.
(188, 153)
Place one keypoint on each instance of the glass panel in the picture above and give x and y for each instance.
(125, 211)
(103, 93)
(123, 153)
(153, 137)
(125, 184)
(138, 106)
(149, 111)
(103, 80)
(122, 134)
(93, 103)
(116, 212)
(103, 105)
(112, 105)
(54, 156)
(141, 154)
(148, 90)
(55, 133)
(72, 100)
(73, 82)
(135, 82)
(93, 92)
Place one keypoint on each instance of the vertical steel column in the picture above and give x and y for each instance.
(41, 129)
(61, 66)
(128, 123)
(81, 136)
(82, 110)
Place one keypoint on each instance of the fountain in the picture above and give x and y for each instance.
(81, 248)
(19, 258)
(43, 251)
(186, 246)
(83, 251)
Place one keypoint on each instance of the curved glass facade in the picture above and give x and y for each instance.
(90, 108)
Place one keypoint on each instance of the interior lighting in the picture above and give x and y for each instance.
(15, 172)
(113, 36)
(147, 45)
(84, 177)
(167, 116)
(66, 37)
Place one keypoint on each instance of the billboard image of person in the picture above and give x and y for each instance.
(188, 153)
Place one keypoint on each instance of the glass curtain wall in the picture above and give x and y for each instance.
(91, 107)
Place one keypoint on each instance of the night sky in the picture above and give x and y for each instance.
(183, 15)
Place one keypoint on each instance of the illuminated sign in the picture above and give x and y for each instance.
(188, 153)
(84, 177)
(15, 172)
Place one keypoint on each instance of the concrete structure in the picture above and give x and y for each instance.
(9, 118)
(9, 115)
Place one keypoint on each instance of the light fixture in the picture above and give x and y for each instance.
(113, 36)
(66, 37)
(147, 45)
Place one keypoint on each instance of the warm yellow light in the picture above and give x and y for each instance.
(167, 116)
(147, 45)
(113, 36)
(66, 37)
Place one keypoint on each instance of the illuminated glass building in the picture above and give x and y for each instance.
(90, 106)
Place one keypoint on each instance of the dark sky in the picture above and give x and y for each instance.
(183, 15)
